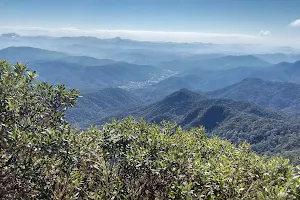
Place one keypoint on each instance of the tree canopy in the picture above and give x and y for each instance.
(44, 157)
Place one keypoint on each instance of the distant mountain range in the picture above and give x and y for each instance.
(30, 54)
(94, 77)
(199, 72)
(197, 79)
(200, 79)
(212, 80)
(215, 63)
(84, 72)
(279, 57)
(111, 48)
(233, 88)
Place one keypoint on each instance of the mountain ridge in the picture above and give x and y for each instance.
(269, 94)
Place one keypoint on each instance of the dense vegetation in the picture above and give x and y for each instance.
(268, 131)
(43, 157)
(97, 105)
(276, 95)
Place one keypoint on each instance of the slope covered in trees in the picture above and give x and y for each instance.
(276, 95)
(266, 130)
(96, 105)
(43, 157)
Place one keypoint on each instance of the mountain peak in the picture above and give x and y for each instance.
(182, 95)
(117, 39)
(297, 63)
(11, 35)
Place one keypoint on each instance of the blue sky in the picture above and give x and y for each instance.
(221, 21)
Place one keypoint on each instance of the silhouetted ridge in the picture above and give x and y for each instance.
(11, 35)
(27, 54)
(87, 61)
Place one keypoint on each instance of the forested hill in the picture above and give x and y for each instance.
(268, 131)
(277, 95)
(99, 104)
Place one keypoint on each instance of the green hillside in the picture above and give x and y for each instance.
(98, 104)
(267, 131)
(277, 95)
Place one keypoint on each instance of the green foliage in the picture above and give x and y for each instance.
(164, 162)
(33, 132)
(42, 157)
(96, 105)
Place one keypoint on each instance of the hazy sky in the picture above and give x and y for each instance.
(220, 21)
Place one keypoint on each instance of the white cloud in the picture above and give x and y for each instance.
(264, 33)
(69, 29)
(161, 36)
(295, 23)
